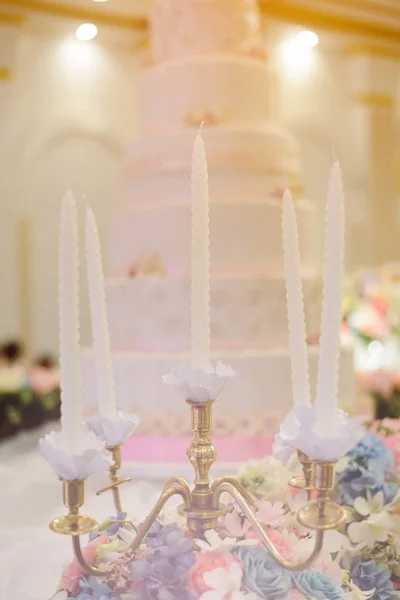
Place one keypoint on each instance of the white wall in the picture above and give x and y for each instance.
(71, 112)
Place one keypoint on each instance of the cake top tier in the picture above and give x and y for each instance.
(183, 28)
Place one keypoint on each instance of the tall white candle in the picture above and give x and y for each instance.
(98, 311)
(70, 353)
(295, 309)
(328, 366)
(200, 292)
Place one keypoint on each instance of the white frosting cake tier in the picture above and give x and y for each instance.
(263, 382)
(183, 28)
(267, 149)
(245, 234)
(153, 314)
(228, 184)
(216, 90)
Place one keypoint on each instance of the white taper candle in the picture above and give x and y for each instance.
(98, 312)
(328, 365)
(70, 352)
(200, 291)
(295, 308)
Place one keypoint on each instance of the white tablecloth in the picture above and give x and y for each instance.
(31, 556)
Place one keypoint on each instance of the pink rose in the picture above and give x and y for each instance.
(393, 443)
(73, 572)
(283, 545)
(206, 562)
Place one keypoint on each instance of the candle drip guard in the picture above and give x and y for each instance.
(201, 504)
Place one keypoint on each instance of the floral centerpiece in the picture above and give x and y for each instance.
(360, 561)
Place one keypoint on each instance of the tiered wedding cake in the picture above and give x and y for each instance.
(208, 65)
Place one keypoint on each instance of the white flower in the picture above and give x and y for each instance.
(356, 594)
(171, 515)
(294, 504)
(373, 504)
(377, 524)
(214, 542)
(225, 584)
(266, 479)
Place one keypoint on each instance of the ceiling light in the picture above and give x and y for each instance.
(308, 39)
(100, 0)
(86, 32)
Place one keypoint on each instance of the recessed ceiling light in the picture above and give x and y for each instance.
(100, 0)
(86, 32)
(308, 39)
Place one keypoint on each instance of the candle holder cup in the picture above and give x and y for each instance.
(201, 505)
(73, 523)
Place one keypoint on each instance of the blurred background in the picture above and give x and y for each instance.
(68, 113)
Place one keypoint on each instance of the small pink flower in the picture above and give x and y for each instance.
(73, 572)
(205, 563)
(268, 512)
(393, 443)
(325, 564)
(283, 545)
(233, 525)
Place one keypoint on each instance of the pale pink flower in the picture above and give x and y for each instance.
(279, 540)
(234, 525)
(270, 512)
(207, 562)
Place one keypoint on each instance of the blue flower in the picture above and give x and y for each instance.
(368, 576)
(164, 573)
(369, 467)
(318, 586)
(93, 589)
(262, 574)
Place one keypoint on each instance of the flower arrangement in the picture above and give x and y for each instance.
(358, 562)
(371, 308)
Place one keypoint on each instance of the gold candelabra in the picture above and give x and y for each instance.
(201, 505)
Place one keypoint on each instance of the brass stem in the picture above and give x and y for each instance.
(203, 513)
(175, 486)
(115, 480)
(227, 486)
(239, 487)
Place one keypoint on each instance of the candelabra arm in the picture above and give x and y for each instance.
(237, 485)
(175, 486)
(76, 544)
(227, 486)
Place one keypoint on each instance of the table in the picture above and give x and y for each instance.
(31, 556)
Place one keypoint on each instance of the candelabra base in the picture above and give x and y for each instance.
(74, 525)
(320, 516)
(200, 520)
